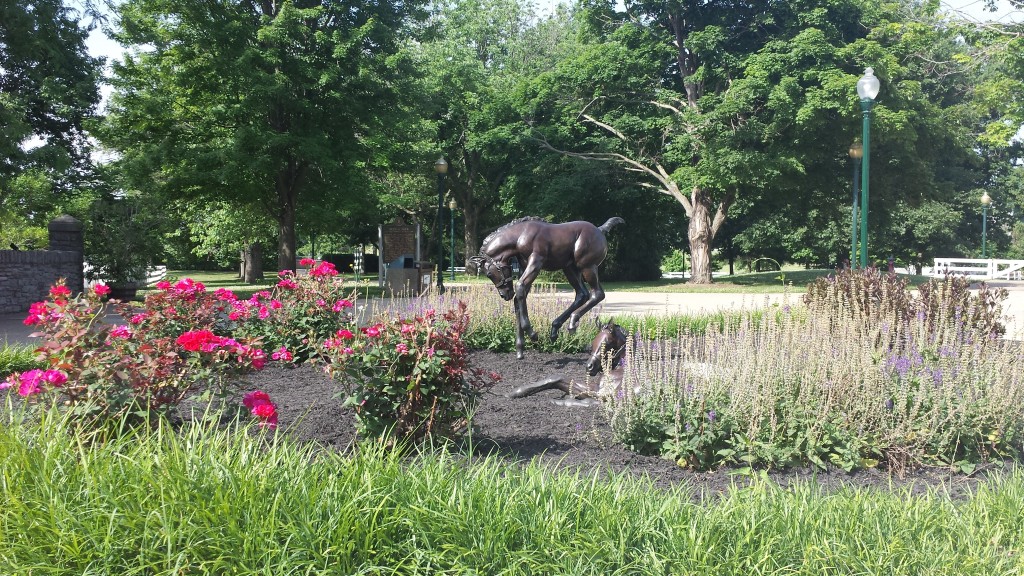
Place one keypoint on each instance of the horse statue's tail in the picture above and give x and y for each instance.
(612, 222)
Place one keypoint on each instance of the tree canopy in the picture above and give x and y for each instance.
(719, 127)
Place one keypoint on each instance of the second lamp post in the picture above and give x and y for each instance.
(867, 89)
(451, 210)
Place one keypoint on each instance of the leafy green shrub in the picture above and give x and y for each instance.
(407, 379)
(674, 261)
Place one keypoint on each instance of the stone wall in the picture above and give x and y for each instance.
(26, 275)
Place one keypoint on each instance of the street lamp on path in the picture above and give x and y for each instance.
(986, 200)
(441, 167)
(867, 89)
(856, 152)
(451, 210)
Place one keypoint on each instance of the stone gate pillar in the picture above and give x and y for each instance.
(66, 236)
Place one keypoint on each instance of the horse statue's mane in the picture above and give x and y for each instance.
(510, 224)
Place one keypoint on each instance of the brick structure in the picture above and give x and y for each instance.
(26, 275)
(396, 240)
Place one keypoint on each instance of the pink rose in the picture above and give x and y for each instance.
(255, 397)
(265, 410)
(31, 382)
(60, 292)
(101, 289)
(225, 294)
(193, 341)
(55, 377)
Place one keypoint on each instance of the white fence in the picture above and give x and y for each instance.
(154, 274)
(978, 269)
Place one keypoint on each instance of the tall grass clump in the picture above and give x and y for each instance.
(17, 358)
(884, 380)
(203, 500)
(493, 322)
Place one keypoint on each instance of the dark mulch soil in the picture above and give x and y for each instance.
(569, 438)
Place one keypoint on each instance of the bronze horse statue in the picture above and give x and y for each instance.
(610, 341)
(533, 244)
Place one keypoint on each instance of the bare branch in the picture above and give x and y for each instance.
(666, 106)
(667, 186)
(607, 127)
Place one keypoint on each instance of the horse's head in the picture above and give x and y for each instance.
(610, 339)
(500, 274)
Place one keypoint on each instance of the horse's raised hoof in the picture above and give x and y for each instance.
(554, 333)
(533, 336)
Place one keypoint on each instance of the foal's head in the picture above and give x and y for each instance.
(500, 273)
(610, 339)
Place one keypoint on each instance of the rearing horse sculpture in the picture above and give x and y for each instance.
(575, 248)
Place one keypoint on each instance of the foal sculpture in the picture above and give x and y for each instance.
(532, 244)
(610, 341)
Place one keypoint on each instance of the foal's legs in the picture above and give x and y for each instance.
(572, 274)
(590, 275)
(519, 301)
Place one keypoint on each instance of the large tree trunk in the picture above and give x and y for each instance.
(701, 235)
(287, 185)
(286, 237)
(472, 233)
(252, 264)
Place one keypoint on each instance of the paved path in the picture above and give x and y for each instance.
(12, 329)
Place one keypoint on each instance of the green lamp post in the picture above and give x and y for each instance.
(441, 167)
(856, 153)
(451, 210)
(986, 201)
(867, 89)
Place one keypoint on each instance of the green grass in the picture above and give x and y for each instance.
(206, 501)
(17, 358)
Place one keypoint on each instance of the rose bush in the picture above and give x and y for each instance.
(407, 379)
(299, 313)
(105, 372)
